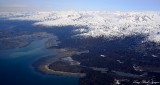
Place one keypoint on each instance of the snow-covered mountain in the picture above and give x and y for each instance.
(97, 23)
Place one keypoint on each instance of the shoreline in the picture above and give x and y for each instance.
(42, 65)
(46, 70)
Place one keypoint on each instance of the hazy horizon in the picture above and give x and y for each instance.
(65, 5)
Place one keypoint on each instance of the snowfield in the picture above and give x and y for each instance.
(97, 23)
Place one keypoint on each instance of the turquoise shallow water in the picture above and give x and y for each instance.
(16, 67)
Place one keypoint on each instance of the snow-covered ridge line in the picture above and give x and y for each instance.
(98, 23)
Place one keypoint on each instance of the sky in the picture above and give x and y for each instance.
(47, 5)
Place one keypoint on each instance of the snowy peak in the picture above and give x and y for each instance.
(97, 23)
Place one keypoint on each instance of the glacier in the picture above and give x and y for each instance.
(109, 24)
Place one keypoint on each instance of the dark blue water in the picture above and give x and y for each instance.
(16, 67)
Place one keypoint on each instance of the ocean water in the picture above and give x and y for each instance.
(16, 67)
